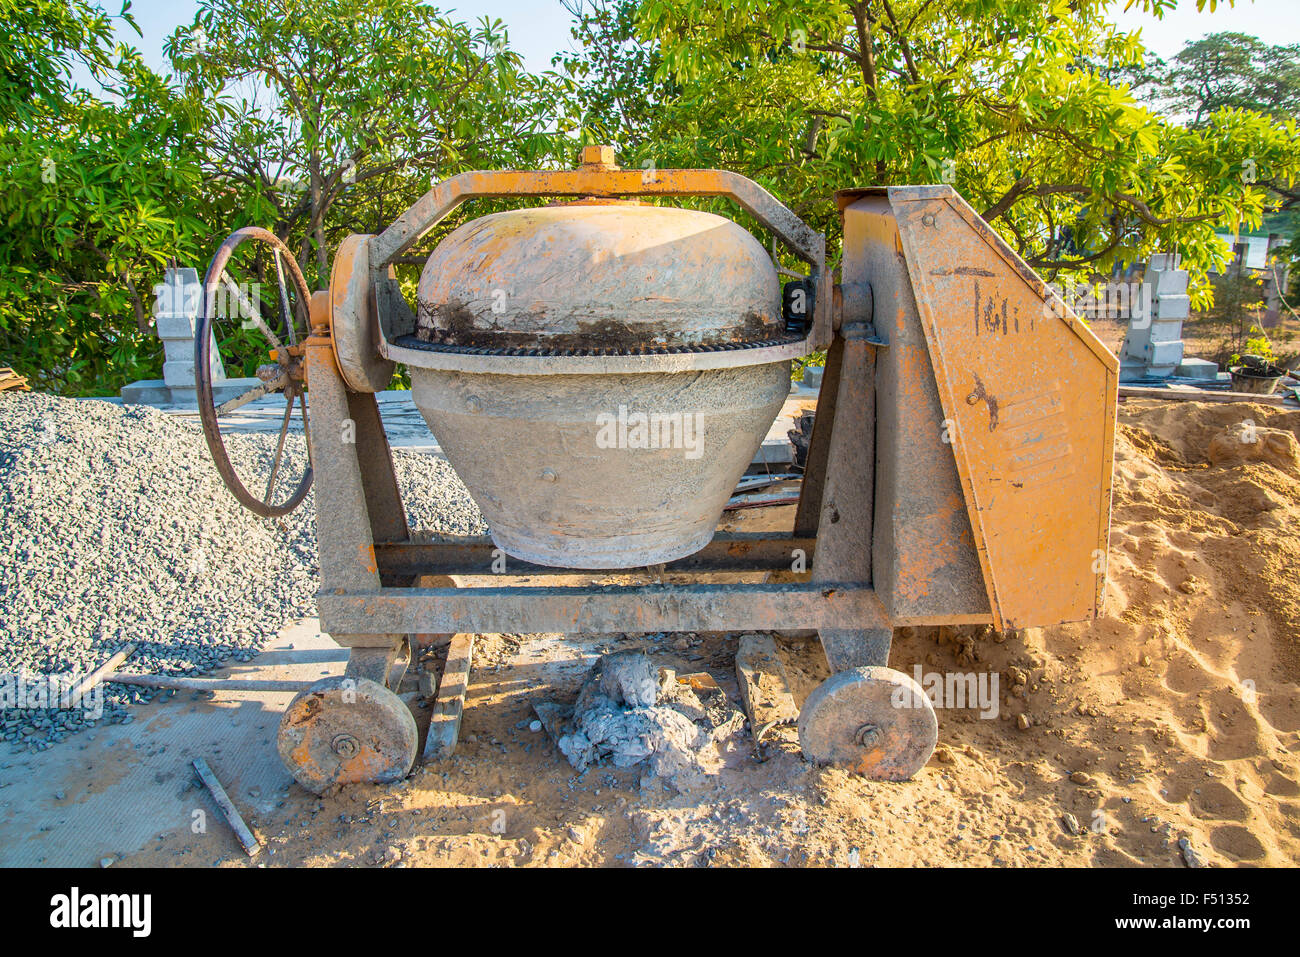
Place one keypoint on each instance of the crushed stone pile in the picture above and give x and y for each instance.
(115, 528)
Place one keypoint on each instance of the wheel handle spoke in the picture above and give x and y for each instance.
(285, 317)
(279, 445)
(284, 375)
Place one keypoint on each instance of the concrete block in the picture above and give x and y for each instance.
(179, 373)
(172, 326)
(1169, 282)
(179, 350)
(1198, 369)
(1166, 354)
(1173, 307)
(146, 392)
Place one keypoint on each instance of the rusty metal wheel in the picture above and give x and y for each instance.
(231, 318)
(347, 731)
(874, 721)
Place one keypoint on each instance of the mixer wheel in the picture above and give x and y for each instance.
(231, 320)
(345, 731)
(874, 721)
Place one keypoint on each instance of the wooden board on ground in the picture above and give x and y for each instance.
(444, 724)
(246, 837)
(1198, 395)
(86, 684)
(9, 379)
(764, 685)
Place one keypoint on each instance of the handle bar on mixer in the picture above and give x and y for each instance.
(598, 180)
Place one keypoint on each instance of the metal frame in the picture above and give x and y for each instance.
(374, 572)
(593, 180)
(371, 565)
(925, 553)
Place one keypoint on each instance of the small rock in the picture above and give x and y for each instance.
(107, 861)
(1190, 857)
(1079, 777)
(1070, 823)
(1022, 722)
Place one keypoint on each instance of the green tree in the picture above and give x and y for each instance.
(335, 114)
(98, 195)
(610, 82)
(40, 42)
(1232, 71)
(1009, 101)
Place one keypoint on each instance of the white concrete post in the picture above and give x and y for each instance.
(1153, 345)
(176, 312)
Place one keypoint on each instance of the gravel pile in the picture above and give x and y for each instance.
(116, 528)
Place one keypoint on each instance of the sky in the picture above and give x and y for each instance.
(1275, 21)
(540, 28)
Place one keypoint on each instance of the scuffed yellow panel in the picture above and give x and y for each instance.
(1029, 397)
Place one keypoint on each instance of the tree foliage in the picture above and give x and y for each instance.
(99, 194)
(335, 114)
(1014, 102)
(318, 118)
(1231, 71)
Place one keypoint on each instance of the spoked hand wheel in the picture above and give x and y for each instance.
(269, 479)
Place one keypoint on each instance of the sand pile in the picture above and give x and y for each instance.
(1190, 681)
(1167, 731)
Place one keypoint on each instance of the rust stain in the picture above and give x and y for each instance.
(981, 394)
(867, 763)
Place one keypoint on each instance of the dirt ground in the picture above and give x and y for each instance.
(1176, 716)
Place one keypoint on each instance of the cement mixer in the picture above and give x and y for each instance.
(959, 470)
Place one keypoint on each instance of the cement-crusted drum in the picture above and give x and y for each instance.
(601, 470)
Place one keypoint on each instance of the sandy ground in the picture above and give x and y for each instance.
(1176, 716)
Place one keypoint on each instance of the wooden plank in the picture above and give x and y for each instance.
(227, 806)
(9, 379)
(1197, 395)
(180, 683)
(98, 675)
(764, 685)
(444, 725)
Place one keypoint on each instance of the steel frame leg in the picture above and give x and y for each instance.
(840, 486)
(356, 487)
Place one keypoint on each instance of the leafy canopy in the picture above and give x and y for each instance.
(1013, 102)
